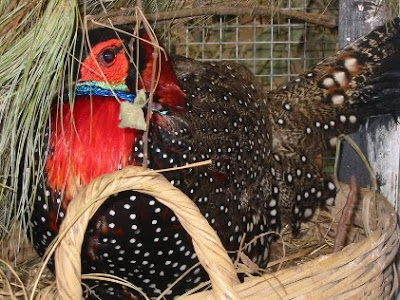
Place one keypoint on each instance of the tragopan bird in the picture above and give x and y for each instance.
(262, 146)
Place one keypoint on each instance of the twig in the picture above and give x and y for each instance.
(366, 206)
(193, 165)
(346, 216)
(155, 75)
(248, 262)
(237, 10)
(299, 254)
(139, 4)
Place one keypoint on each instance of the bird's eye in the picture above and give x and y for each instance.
(109, 56)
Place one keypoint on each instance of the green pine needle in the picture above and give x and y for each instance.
(35, 43)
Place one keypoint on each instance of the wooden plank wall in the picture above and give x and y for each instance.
(379, 138)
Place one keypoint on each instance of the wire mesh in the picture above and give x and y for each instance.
(274, 48)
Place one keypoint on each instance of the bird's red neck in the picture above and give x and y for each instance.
(86, 142)
(168, 90)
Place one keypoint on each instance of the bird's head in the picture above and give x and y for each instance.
(87, 138)
(118, 64)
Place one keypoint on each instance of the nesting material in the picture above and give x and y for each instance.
(308, 269)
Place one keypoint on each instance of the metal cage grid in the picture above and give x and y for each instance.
(275, 49)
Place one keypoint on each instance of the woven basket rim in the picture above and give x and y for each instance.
(210, 252)
(216, 262)
(275, 285)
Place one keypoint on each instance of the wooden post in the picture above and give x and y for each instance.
(379, 138)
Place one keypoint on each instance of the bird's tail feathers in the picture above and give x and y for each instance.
(367, 73)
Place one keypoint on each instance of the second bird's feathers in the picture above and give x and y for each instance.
(263, 148)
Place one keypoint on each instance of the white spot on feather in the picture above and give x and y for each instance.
(333, 141)
(307, 213)
(351, 64)
(329, 201)
(338, 99)
(353, 119)
(340, 77)
(328, 82)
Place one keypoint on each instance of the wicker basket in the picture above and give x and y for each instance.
(362, 270)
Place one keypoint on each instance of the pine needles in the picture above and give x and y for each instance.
(34, 44)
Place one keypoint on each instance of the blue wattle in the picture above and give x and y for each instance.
(96, 89)
(86, 89)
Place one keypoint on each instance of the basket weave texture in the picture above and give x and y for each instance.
(362, 270)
